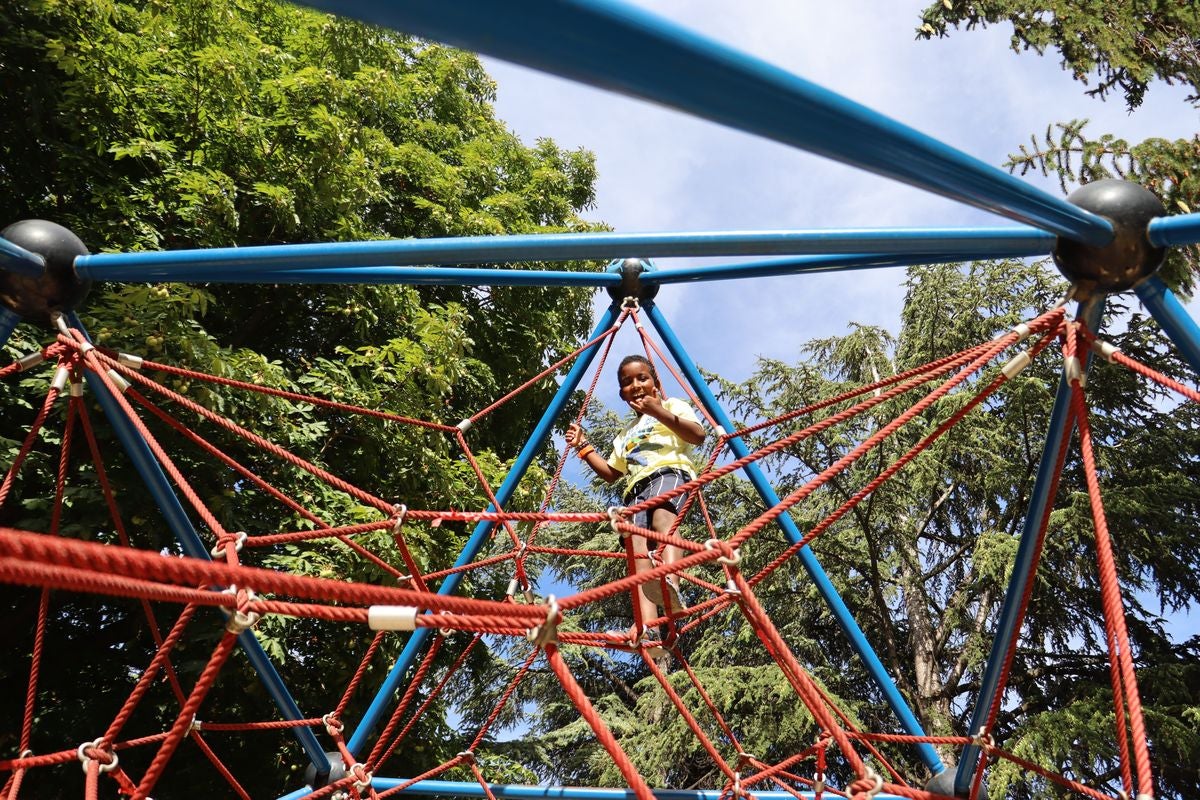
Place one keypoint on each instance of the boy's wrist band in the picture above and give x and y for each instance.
(586, 451)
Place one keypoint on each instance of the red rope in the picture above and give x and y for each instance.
(294, 396)
(603, 734)
(182, 722)
(1110, 590)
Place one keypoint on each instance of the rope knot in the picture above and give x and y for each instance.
(730, 556)
(983, 740)
(333, 725)
(236, 539)
(547, 632)
(362, 777)
(97, 750)
(466, 757)
(242, 619)
(867, 786)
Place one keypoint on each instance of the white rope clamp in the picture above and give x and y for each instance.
(62, 376)
(399, 512)
(631, 302)
(130, 360)
(96, 744)
(1073, 371)
(1022, 331)
(241, 621)
(30, 361)
(76, 388)
(466, 756)
(1106, 350)
(818, 783)
(547, 632)
(238, 539)
(614, 516)
(118, 381)
(1016, 365)
(465, 425)
(392, 618)
(729, 561)
(195, 726)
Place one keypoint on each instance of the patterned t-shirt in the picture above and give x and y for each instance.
(648, 445)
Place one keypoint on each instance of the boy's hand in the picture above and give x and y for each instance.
(575, 437)
(649, 404)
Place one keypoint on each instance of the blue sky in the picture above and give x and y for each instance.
(660, 170)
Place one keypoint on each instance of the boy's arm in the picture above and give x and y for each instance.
(688, 430)
(590, 455)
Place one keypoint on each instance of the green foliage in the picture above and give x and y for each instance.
(148, 124)
(1126, 44)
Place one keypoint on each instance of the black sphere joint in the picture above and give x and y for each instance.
(337, 771)
(630, 270)
(1129, 257)
(59, 288)
(943, 784)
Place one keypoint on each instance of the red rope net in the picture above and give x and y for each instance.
(538, 632)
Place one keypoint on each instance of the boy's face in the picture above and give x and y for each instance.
(635, 381)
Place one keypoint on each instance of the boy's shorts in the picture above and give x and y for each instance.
(652, 485)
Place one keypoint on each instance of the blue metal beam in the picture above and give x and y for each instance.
(773, 267)
(17, 259)
(1174, 319)
(177, 520)
(1007, 627)
(261, 264)
(1171, 231)
(9, 320)
(809, 561)
(473, 789)
(615, 46)
(413, 276)
(541, 432)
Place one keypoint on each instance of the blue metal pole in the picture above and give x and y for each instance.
(261, 264)
(514, 792)
(615, 46)
(815, 571)
(9, 320)
(1090, 312)
(1170, 231)
(181, 526)
(416, 642)
(774, 267)
(17, 259)
(1174, 319)
(428, 276)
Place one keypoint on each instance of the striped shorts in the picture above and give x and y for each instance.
(654, 484)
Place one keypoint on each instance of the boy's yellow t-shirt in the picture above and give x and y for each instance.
(648, 445)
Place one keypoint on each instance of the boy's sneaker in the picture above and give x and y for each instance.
(672, 601)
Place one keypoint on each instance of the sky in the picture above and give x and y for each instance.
(661, 170)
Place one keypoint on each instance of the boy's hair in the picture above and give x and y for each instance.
(637, 358)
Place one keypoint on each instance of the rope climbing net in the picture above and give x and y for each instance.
(418, 600)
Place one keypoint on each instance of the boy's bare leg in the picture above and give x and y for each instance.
(646, 609)
(661, 521)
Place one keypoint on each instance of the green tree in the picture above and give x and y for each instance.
(147, 125)
(1125, 45)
